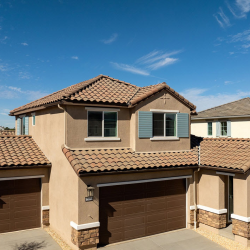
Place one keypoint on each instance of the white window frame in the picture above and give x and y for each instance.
(33, 115)
(101, 138)
(220, 129)
(21, 125)
(164, 137)
(207, 129)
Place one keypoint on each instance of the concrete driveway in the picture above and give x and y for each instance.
(178, 240)
(28, 240)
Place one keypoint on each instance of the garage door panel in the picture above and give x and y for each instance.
(134, 232)
(144, 209)
(21, 204)
(156, 228)
(130, 222)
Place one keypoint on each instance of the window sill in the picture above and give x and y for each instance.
(102, 139)
(170, 138)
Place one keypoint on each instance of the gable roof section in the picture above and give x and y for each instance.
(20, 151)
(228, 153)
(237, 108)
(105, 90)
(106, 160)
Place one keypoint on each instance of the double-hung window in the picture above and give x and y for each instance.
(223, 128)
(164, 125)
(22, 125)
(102, 124)
(209, 128)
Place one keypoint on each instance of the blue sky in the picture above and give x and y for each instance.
(198, 47)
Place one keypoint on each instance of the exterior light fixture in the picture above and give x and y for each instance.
(90, 193)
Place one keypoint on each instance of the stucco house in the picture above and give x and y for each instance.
(116, 162)
(228, 120)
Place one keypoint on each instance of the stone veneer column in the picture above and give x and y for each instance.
(241, 228)
(88, 238)
(45, 218)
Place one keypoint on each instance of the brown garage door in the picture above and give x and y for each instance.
(138, 210)
(20, 204)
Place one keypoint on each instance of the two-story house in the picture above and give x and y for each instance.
(227, 120)
(124, 165)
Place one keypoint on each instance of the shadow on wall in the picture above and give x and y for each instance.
(30, 246)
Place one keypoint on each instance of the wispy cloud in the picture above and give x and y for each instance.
(24, 75)
(149, 62)
(129, 68)
(25, 44)
(75, 57)
(222, 19)
(240, 8)
(204, 101)
(12, 92)
(4, 39)
(4, 67)
(111, 39)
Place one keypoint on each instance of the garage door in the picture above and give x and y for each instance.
(138, 210)
(20, 204)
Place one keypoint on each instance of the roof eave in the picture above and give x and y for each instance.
(25, 166)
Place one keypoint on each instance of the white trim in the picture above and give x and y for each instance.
(45, 208)
(209, 209)
(192, 207)
(166, 138)
(84, 226)
(242, 218)
(102, 139)
(224, 173)
(21, 177)
(219, 117)
(101, 109)
(142, 181)
(165, 111)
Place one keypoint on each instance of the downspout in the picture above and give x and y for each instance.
(195, 192)
(60, 107)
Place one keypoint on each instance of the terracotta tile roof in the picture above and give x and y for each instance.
(104, 160)
(18, 151)
(230, 153)
(237, 108)
(7, 132)
(103, 89)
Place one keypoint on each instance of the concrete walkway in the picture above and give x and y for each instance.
(28, 239)
(178, 240)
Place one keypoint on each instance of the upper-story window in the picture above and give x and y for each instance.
(164, 124)
(209, 128)
(33, 119)
(223, 127)
(102, 124)
(22, 125)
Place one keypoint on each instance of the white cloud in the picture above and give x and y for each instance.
(3, 114)
(12, 92)
(240, 8)
(25, 44)
(3, 40)
(24, 75)
(157, 59)
(111, 39)
(129, 68)
(4, 67)
(75, 57)
(222, 19)
(228, 82)
(203, 101)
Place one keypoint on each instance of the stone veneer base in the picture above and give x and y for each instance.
(208, 218)
(86, 238)
(45, 219)
(241, 228)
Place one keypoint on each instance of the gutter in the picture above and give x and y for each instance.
(219, 117)
(27, 166)
(223, 169)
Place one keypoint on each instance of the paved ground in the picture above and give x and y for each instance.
(28, 240)
(177, 240)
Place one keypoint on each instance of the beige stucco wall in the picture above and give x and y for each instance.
(211, 189)
(241, 189)
(240, 128)
(63, 195)
(155, 102)
(77, 129)
(89, 211)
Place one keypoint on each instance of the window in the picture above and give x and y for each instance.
(33, 120)
(164, 124)
(22, 125)
(102, 124)
(223, 126)
(209, 129)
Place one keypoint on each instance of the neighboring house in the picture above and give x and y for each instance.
(124, 166)
(228, 120)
